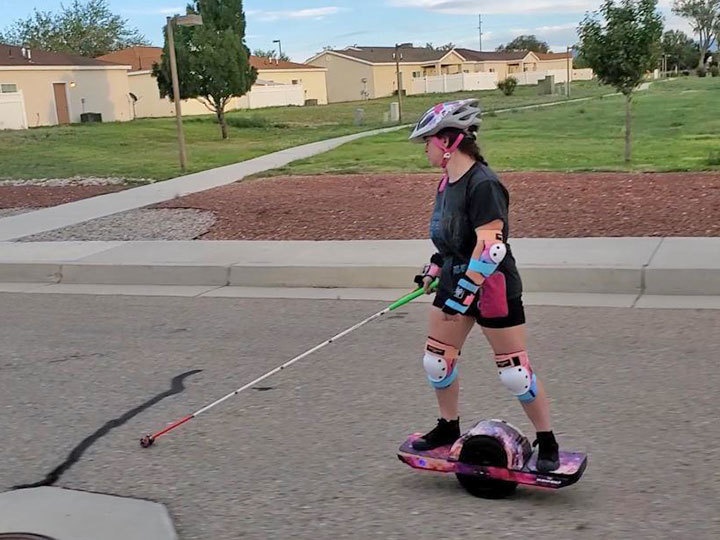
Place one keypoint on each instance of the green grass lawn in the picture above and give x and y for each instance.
(147, 148)
(676, 127)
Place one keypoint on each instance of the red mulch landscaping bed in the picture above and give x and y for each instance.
(398, 206)
(42, 196)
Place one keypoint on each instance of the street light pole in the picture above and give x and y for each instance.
(182, 20)
(176, 94)
(279, 47)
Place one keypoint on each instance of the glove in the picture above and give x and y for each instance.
(430, 270)
(463, 297)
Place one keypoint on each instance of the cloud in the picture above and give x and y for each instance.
(309, 13)
(497, 7)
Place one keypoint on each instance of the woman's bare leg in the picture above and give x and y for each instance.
(510, 340)
(452, 330)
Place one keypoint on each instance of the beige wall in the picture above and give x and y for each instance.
(501, 68)
(547, 65)
(103, 90)
(313, 81)
(385, 79)
(151, 105)
(385, 75)
(344, 78)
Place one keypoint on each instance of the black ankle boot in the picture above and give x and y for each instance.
(446, 432)
(548, 451)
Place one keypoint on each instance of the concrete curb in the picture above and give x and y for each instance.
(656, 266)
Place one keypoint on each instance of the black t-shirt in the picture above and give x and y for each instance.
(477, 198)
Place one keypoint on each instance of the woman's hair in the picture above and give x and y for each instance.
(468, 145)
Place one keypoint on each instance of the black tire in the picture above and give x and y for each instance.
(485, 450)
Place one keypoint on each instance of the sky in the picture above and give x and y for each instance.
(304, 27)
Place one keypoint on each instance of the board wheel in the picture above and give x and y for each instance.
(488, 451)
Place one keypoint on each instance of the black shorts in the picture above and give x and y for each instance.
(515, 316)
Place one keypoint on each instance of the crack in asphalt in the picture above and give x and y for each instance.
(176, 386)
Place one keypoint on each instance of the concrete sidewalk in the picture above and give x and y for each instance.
(652, 266)
(64, 215)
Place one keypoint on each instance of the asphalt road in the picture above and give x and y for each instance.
(311, 455)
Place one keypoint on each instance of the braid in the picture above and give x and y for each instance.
(468, 145)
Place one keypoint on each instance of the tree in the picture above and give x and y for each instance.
(447, 47)
(624, 49)
(212, 59)
(681, 51)
(85, 29)
(272, 54)
(578, 60)
(704, 18)
(525, 43)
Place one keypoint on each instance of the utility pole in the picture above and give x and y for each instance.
(480, 31)
(398, 57)
(569, 56)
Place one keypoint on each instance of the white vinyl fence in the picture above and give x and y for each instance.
(12, 111)
(272, 96)
(441, 84)
(488, 81)
(532, 77)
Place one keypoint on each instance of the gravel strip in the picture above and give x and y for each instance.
(73, 181)
(141, 224)
(7, 212)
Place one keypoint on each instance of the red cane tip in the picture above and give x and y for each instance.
(146, 441)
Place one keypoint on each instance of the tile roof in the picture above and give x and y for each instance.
(553, 56)
(143, 58)
(10, 55)
(266, 63)
(379, 55)
(489, 56)
(140, 58)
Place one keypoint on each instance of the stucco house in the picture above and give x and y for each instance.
(39, 88)
(508, 63)
(278, 84)
(356, 73)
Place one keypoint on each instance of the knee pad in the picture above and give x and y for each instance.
(517, 375)
(440, 363)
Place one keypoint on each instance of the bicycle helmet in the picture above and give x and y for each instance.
(460, 114)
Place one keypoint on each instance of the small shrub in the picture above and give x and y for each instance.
(701, 72)
(714, 71)
(508, 86)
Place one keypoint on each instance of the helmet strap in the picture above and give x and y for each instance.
(448, 151)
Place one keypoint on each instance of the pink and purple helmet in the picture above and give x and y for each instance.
(461, 114)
